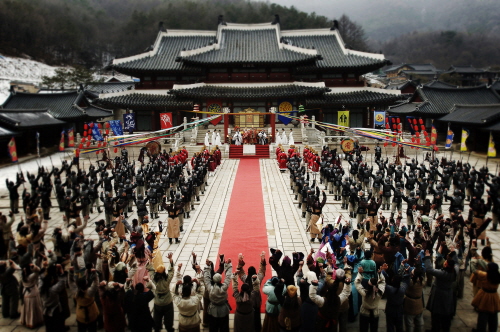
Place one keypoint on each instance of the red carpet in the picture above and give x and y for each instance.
(245, 227)
(236, 152)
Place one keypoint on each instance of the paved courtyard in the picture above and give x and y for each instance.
(202, 232)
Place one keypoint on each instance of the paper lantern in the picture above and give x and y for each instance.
(84, 133)
(393, 120)
(425, 133)
(88, 143)
(115, 150)
(415, 128)
(412, 147)
(116, 142)
(398, 120)
(418, 140)
(89, 133)
(85, 126)
(99, 144)
(428, 143)
(394, 127)
(414, 121)
(107, 131)
(427, 138)
(387, 126)
(83, 140)
(420, 121)
(436, 148)
(423, 127)
(393, 144)
(413, 139)
(386, 143)
(91, 125)
(107, 124)
(417, 134)
(80, 146)
(99, 126)
(97, 152)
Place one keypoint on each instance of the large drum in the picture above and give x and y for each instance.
(348, 144)
(154, 148)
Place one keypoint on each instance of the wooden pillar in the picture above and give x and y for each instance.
(272, 119)
(226, 127)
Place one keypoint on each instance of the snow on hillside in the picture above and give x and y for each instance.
(18, 69)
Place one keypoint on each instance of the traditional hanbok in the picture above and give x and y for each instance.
(217, 139)
(207, 139)
(284, 138)
(278, 138)
(291, 140)
(214, 137)
(237, 138)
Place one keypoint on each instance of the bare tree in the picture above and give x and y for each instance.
(352, 33)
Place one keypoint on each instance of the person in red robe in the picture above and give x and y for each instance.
(282, 160)
(291, 150)
(212, 165)
(315, 163)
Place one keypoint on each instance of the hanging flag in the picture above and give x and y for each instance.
(61, 142)
(129, 122)
(465, 135)
(12, 150)
(96, 134)
(343, 118)
(213, 106)
(71, 138)
(285, 107)
(116, 127)
(492, 152)
(434, 134)
(449, 138)
(38, 144)
(378, 119)
(166, 120)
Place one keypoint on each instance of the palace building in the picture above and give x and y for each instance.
(243, 68)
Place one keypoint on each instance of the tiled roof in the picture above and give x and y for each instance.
(169, 49)
(60, 105)
(109, 87)
(399, 86)
(353, 98)
(496, 85)
(442, 100)
(249, 92)
(404, 108)
(94, 111)
(27, 118)
(440, 84)
(465, 70)
(146, 101)
(249, 46)
(473, 114)
(329, 48)
(416, 67)
(4, 132)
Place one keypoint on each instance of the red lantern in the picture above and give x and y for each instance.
(85, 127)
(398, 120)
(417, 134)
(418, 140)
(80, 146)
(107, 124)
(83, 139)
(423, 127)
(393, 144)
(99, 144)
(393, 120)
(394, 126)
(425, 133)
(91, 125)
(84, 133)
(428, 143)
(414, 121)
(386, 143)
(89, 133)
(420, 121)
(427, 138)
(436, 148)
(107, 131)
(116, 142)
(88, 143)
(99, 126)
(97, 152)
(116, 150)
(387, 126)
(413, 139)
(415, 128)
(104, 144)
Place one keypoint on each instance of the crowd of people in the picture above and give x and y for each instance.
(114, 281)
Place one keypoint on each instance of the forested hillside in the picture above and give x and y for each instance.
(86, 31)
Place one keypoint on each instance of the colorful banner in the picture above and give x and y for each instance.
(343, 118)
(215, 106)
(378, 119)
(61, 142)
(71, 138)
(434, 134)
(12, 150)
(96, 133)
(129, 122)
(449, 138)
(285, 107)
(465, 135)
(166, 120)
(492, 152)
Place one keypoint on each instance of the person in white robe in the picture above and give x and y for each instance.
(284, 138)
(214, 136)
(238, 140)
(291, 141)
(207, 139)
(278, 137)
(217, 139)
